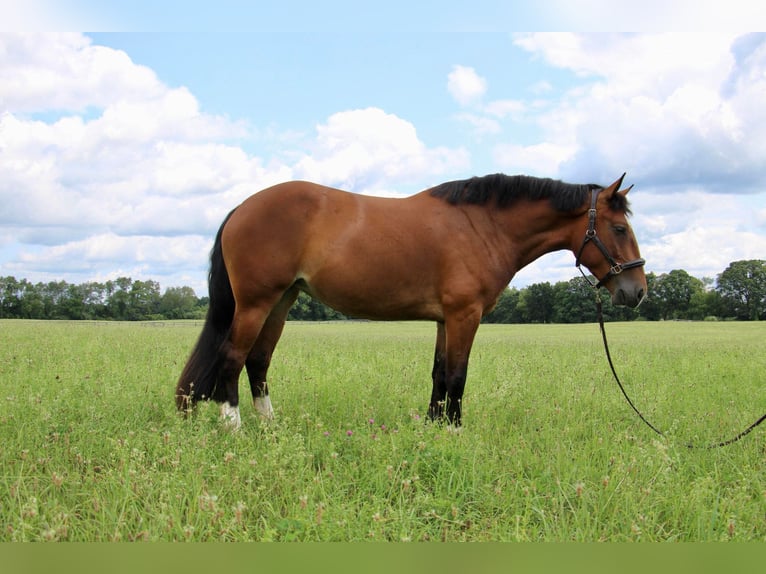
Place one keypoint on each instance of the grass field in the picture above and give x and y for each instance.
(92, 450)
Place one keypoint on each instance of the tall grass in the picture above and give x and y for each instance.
(92, 449)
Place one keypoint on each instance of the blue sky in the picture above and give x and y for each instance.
(274, 81)
(121, 151)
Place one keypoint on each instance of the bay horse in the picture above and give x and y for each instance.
(444, 254)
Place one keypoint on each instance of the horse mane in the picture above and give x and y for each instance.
(505, 190)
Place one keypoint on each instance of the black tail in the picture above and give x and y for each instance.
(200, 375)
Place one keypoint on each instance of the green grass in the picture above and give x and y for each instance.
(92, 450)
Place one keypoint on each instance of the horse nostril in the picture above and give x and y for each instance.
(640, 294)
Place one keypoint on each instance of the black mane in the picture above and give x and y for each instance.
(505, 190)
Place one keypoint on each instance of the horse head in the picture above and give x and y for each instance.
(609, 248)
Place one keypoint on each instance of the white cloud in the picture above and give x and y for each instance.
(653, 15)
(180, 260)
(504, 108)
(550, 268)
(704, 251)
(480, 124)
(468, 89)
(539, 160)
(365, 149)
(107, 170)
(465, 85)
(695, 230)
(104, 167)
(67, 72)
(682, 114)
(671, 107)
(104, 248)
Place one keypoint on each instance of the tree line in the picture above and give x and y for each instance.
(739, 292)
(123, 299)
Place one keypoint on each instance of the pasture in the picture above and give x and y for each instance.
(91, 448)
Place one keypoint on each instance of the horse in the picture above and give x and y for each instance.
(443, 255)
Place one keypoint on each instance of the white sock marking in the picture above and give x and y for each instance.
(263, 407)
(230, 416)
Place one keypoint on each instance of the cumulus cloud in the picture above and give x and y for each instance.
(697, 230)
(672, 107)
(465, 85)
(366, 149)
(681, 113)
(468, 88)
(106, 170)
(538, 159)
(67, 72)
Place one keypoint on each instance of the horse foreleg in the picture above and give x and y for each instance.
(438, 375)
(259, 359)
(460, 332)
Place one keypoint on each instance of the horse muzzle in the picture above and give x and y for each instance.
(628, 295)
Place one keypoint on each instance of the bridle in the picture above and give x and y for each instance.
(615, 268)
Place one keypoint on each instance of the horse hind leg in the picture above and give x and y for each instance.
(259, 359)
(246, 326)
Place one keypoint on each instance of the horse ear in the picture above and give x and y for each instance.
(615, 187)
(627, 189)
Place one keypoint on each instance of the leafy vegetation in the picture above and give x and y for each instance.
(740, 293)
(122, 299)
(94, 451)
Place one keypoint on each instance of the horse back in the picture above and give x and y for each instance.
(366, 256)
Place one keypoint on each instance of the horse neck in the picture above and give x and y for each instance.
(535, 228)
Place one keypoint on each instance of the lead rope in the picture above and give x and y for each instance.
(630, 402)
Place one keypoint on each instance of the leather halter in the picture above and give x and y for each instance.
(590, 235)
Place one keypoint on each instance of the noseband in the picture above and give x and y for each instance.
(590, 235)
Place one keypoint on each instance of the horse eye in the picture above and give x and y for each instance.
(620, 229)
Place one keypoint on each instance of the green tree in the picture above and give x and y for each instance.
(306, 308)
(742, 286)
(11, 293)
(650, 306)
(178, 303)
(536, 303)
(706, 303)
(507, 308)
(94, 300)
(573, 302)
(118, 297)
(674, 292)
(143, 300)
(53, 294)
(32, 304)
(72, 303)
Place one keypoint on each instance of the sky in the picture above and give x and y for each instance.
(122, 150)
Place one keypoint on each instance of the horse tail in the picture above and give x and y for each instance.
(200, 375)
